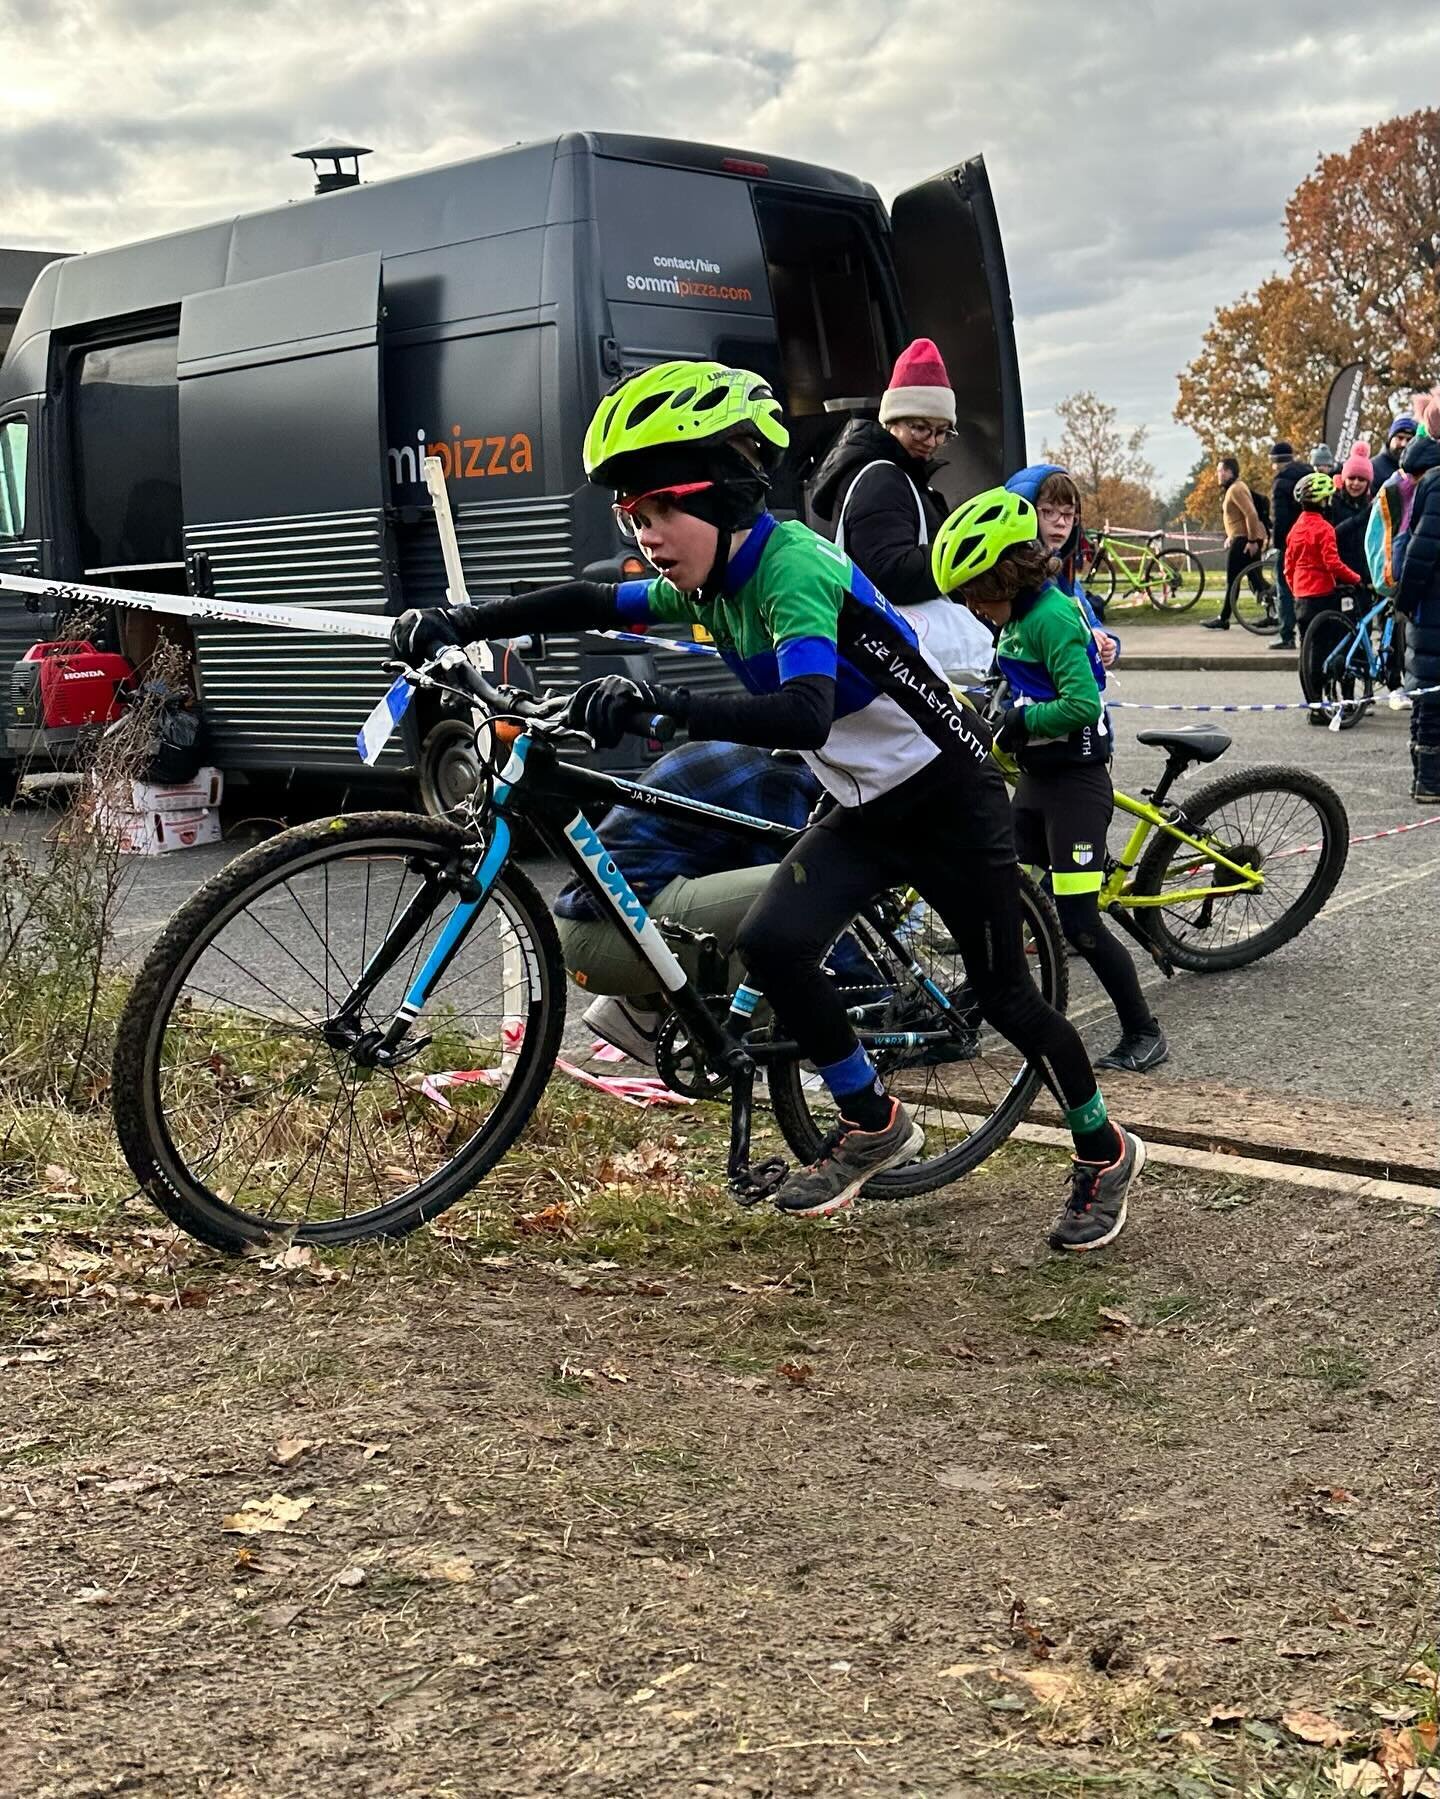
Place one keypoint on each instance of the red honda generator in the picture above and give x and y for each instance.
(59, 693)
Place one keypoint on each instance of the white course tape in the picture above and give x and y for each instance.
(227, 612)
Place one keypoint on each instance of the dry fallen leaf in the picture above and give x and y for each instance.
(551, 1221)
(29, 1358)
(1421, 1674)
(458, 1568)
(94, 1596)
(290, 1449)
(1315, 1727)
(257, 1516)
(1223, 1716)
(350, 1577)
(963, 1670)
(1048, 1684)
(1363, 1778)
(799, 1374)
(1116, 1320)
(144, 1480)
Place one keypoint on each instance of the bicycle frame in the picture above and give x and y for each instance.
(1360, 639)
(1130, 569)
(537, 785)
(1116, 891)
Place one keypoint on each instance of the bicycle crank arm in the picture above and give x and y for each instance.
(748, 1186)
(1144, 939)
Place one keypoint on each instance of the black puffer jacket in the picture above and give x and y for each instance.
(1418, 594)
(881, 525)
(1350, 517)
(1284, 507)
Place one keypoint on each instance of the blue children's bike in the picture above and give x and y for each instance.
(1342, 656)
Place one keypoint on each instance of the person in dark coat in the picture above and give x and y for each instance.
(1350, 509)
(1417, 600)
(1397, 442)
(874, 488)
(1284, 510)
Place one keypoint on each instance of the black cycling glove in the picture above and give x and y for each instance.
(565, 606)
(612, 705)
(421, 633)
(1013, 734)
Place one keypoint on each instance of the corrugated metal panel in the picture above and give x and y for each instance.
(281, 698)
(18, 628)
(500, 541)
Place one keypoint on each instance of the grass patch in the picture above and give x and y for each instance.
(1338, 1370)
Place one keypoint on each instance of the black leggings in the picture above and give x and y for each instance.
(1061, 820)
(955, 846)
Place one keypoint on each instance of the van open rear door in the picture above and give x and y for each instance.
(283, 479)
(951, 269)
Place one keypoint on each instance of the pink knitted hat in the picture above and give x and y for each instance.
(919, 387)
(1358, 462)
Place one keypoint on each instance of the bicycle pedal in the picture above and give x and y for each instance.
(755, 1185)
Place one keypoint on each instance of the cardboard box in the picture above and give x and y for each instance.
(155, 833)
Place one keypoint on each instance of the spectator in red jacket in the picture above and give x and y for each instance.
(1314, 570)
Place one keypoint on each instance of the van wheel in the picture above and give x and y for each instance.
(449, 767)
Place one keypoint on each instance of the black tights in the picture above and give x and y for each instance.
(957, 850)
(1087, 931)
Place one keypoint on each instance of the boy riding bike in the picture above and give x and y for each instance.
(830, 669)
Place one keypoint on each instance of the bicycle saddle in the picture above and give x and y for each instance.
(1189, 743)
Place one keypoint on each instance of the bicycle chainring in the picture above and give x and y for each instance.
(680, 1062)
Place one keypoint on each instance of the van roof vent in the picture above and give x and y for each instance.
(336, 153)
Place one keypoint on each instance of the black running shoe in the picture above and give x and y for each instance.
(849, 1159)
(1094, 1215)
(1138, 1052)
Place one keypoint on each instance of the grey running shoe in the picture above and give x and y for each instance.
(1138, 1052)
(1094, 1215)
(849, 1159)
(627, 1027)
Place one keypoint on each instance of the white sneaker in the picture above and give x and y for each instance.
(628, 1027)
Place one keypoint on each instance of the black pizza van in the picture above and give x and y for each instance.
(241, 408)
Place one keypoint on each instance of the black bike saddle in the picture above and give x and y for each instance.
(1192, 743)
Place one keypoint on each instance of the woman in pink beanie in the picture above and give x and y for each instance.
(1350, 508)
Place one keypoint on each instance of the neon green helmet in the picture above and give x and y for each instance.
(977, 534)
(676, 404)
(1315, 490)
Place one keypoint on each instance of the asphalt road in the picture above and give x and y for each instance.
(1346, 1012)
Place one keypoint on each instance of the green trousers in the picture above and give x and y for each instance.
(603, 959)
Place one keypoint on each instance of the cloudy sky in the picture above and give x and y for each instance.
(1141, 151)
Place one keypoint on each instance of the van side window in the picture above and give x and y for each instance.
(14, 450)
(128, 505)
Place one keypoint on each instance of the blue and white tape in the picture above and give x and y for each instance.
(374, 734)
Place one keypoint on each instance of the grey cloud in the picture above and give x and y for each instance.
(1141, 153)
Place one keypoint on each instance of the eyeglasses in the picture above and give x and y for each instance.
(626, 510)
(920, 428)
(1060, 514)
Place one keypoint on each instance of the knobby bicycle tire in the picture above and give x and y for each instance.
(1330, 858)
(1328, 637)
(138, 1104)
(805, 1134)
(1256, 613)
(1171, 592)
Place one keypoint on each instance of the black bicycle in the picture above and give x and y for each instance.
(342, 1032)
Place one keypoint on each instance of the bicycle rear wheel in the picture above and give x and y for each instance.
(1173, 579)
(1252, 596)
(245, 1101)
(1284, 822)
(1101, 578)
(967, 1108)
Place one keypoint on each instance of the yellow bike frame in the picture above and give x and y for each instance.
(1117, 890)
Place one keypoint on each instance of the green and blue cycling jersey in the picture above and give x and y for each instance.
(1048, 657)
(793, 606)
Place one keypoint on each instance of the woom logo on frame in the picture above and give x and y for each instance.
(463, 458)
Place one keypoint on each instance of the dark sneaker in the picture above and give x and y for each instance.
(1282, 643)
(1215, 624)
(1423, 796)
(849, 1159)
(1138, 1052)
(1094, 1215)
(625, 1027)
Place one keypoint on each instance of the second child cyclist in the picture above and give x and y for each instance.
(830, 669)
(1058, 733)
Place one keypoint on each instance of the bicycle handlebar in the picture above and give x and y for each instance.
(546, 714)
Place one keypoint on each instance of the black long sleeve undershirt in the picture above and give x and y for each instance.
(798, 717)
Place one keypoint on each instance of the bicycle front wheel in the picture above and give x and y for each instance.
(1285, 823)
(1335, 668)
(1173, 580)
(966, 1107)
(247, 1096)
(1252, 596)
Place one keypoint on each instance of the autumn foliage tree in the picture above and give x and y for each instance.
(1362, 240)
(1107, 463)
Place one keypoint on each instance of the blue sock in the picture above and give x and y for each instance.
(858, 1091)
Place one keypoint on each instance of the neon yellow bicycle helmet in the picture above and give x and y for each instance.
(1318, 489)
(977, 534)
(680, 403)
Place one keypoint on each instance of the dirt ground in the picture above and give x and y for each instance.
(905, 1506)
